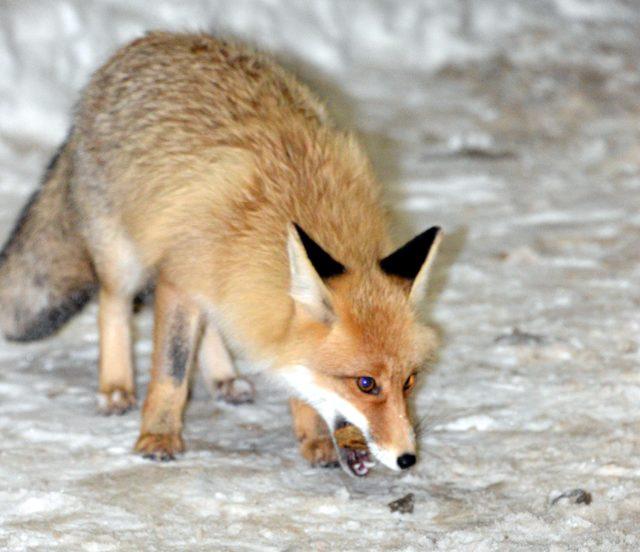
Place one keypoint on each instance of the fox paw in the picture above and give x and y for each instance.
(319, 452)
(235, 390)
(159, 446)
(115, 402)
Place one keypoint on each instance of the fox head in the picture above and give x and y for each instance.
(360, 343)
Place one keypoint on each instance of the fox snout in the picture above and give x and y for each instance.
(391, 434)
(383, 421)
(397, 451)
(392, 459)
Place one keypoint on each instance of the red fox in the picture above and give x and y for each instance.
(202, 168)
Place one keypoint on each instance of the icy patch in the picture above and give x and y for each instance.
(478, 423)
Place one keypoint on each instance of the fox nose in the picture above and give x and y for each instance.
(406, 461)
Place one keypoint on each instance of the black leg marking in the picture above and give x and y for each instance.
(179, 349)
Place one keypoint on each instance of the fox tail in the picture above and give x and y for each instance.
(46, 273)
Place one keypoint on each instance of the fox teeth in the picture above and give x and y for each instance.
(359, 462)
(360, 469)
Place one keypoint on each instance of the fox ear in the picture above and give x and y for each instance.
(413, 260)
(309, 264)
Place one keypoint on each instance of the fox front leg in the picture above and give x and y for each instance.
(312, 433)
(177, 328)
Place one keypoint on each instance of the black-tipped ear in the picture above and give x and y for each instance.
(407, 261)
(324, 264)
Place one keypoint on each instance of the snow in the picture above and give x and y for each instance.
(514, 125)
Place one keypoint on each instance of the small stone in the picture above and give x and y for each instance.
(518, 337)
(576, 496)
(403, 505)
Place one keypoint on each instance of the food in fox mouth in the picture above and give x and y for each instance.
(354, 448)
(350, 437)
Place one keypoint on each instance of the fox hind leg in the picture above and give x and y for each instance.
(219, 372)
(177, 328)
(120, 274)
(116, 385)
(312, 433)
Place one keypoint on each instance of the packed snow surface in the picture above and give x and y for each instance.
(515, 126)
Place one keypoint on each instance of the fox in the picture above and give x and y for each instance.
(201, 168)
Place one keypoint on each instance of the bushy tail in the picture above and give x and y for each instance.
(46, 274)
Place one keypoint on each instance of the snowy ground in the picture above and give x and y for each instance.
(515, 125)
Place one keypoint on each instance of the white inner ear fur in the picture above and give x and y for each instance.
(307, 288)
(419, 286)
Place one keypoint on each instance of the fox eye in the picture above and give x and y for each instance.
(367, 384)
(411, 380)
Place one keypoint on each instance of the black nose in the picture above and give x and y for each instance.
(406, 461)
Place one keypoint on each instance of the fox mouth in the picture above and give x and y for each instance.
(355, 458)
